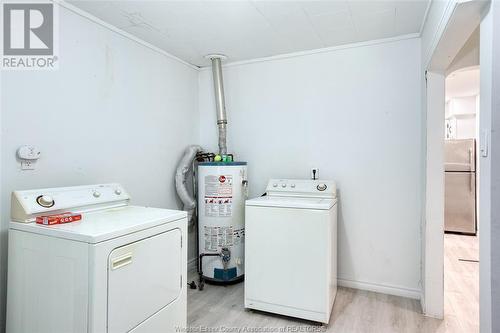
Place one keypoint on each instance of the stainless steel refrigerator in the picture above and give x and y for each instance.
(460, 186)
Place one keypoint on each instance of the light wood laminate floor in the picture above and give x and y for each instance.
(220, 308)
(461, 281)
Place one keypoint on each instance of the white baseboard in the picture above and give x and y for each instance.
(435, 316)
(383, 289)
(422, 301)
(378, 288)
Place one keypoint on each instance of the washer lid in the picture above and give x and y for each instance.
(99, 226)
(292, 202)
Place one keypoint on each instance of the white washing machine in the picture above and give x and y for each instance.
(122, 268)
(291, 249)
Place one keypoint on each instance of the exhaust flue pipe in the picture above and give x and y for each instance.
(220, 103)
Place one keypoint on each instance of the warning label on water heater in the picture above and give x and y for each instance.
(217, 237)
(218, 196)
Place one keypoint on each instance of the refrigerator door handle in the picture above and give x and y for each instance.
(470, 159)
(471, 184)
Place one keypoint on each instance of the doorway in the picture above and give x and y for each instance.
(461, 167)
(459, 21)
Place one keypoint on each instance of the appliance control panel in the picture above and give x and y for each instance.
(302, 188)
(26, 205)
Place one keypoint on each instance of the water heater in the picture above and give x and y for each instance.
(222, 191)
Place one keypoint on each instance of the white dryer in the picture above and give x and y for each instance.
(122, 268)
(291, 249)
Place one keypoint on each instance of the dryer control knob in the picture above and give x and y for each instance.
(118, 191)
(45, 201)
(292, 185)
(96, 194)
(321, 187)
(283, 185)
(275, 185)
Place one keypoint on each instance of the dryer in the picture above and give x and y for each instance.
(122, 268)
(291, 249)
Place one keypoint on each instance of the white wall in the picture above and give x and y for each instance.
(115, 111)
(466, 128)
(355, 114)
(462, 113)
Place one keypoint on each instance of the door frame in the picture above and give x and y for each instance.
(433, 230)
(461, 18)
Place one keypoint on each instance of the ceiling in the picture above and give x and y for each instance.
(247, 29)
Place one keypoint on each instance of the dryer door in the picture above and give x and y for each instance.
(143, 278)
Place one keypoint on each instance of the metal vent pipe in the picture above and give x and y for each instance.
(220, 103)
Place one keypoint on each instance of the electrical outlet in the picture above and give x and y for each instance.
(27, 165)
(314, 173)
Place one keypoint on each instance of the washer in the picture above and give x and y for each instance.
(291, 249)
(122, 268)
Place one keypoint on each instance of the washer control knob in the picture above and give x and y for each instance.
(292, 185)
(96, 194)
(321, 187)
(283, 185)
(118, 191)
(45, 201)
(275, 185)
